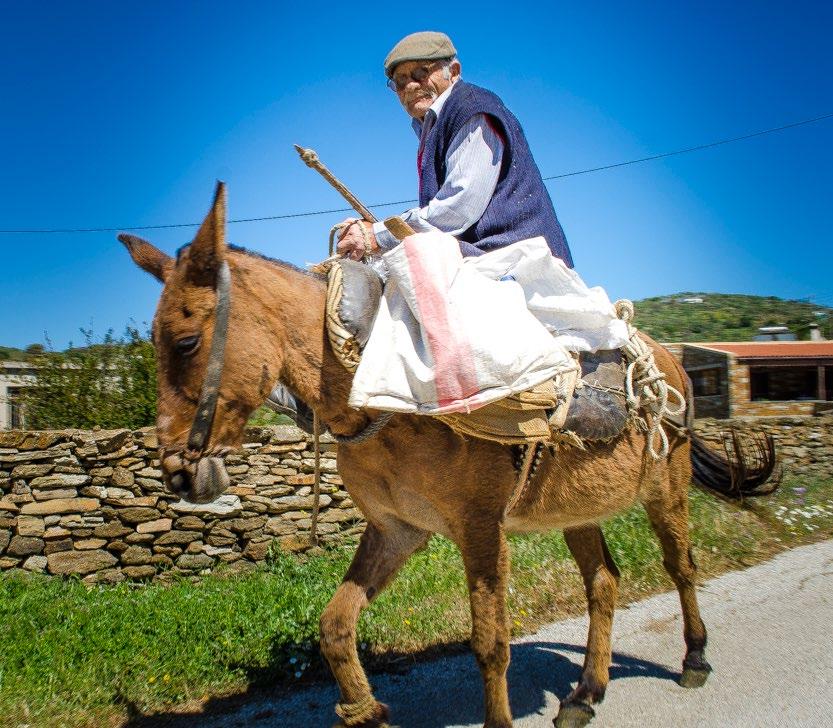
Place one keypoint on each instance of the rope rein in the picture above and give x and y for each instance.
(645, 385)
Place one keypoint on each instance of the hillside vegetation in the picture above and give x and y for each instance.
(726, 317)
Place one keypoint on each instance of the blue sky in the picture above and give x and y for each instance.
(120, 114)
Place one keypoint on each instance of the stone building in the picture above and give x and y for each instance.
(14, 375)
(759, 379)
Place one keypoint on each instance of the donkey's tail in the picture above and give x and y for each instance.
(748, 468)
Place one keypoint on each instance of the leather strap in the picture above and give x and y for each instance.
(207, 405)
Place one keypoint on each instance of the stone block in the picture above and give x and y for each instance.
(134, 516)
(35, 563)
(220, 540)
(190, 523)
(172, 551)
(105, 576)
(89, 544)
(132, 501)
(178, 538)
(139, 573)
(61, 505)
(275, 490)
(60, 480)
(225, 505)
(30, 526)
(43, 495)
(139, 538)
(112, 529)
(242, 525)
(28, 457)
(56, 532)
(195, 561)
(161, 561)
(160, 525)
(280, 527)
(294, 543)
(5, 537)
(93, 491)
(122, 477)
(25, 546)
(79, 562)
(306, 479)
(136, 555)
(8, 562)
(216, 550)
(32, 470)
(56, 545)
(195, 547)
(117, 547)
(257, 551)
(149, 485)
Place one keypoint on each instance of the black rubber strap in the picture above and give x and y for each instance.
(207, 406)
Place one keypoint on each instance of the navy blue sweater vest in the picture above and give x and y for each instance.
(520, 207)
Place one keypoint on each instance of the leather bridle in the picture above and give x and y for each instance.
(207, 404)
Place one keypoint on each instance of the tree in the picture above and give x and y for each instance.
(110, 384)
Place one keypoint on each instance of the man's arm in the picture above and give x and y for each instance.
(473, 170)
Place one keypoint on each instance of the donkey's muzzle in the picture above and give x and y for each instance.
(200, 481)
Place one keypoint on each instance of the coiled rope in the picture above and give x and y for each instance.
(645, 385)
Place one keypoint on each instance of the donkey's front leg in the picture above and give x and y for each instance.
(381, 553)
(486, 559)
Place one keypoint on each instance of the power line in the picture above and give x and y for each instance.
(694, 149)
(287, 216)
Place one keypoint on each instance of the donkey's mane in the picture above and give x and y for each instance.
(261, 256)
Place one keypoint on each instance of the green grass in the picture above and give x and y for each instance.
(78, 656)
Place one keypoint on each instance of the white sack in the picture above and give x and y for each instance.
(449, 339)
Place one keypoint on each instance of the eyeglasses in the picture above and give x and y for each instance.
(419, 74)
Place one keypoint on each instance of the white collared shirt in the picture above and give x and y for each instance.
(473, 168)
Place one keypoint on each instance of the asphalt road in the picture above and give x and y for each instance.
(770, 644)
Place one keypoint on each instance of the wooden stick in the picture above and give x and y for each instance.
(310, 158)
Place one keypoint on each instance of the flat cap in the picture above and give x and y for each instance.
(427, 45)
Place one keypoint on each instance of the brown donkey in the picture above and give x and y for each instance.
(416, 477)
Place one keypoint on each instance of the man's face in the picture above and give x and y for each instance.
(416, 96)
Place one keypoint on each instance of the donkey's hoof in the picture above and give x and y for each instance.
(573, 715)
(694, 677)
(695, 670)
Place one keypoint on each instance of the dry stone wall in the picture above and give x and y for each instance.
(93, 504)
(804, 444)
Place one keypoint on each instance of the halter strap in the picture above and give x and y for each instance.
(207, 405)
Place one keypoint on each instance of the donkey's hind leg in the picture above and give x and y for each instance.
(601, 582)
(380, 555)
(668, 513)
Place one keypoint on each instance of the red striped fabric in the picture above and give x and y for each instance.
(455, 375)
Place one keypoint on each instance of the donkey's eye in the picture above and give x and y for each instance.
(188, 345)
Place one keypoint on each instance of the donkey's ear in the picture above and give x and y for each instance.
(147, 256)
(208, 249)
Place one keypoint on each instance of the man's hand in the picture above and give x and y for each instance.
(357, 239)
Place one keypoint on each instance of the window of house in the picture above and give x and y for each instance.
(706, 382)
(783, 383)
(16, 420)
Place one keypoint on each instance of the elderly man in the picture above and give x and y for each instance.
(477, 178)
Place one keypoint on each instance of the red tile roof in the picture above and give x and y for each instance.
(773, 349)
